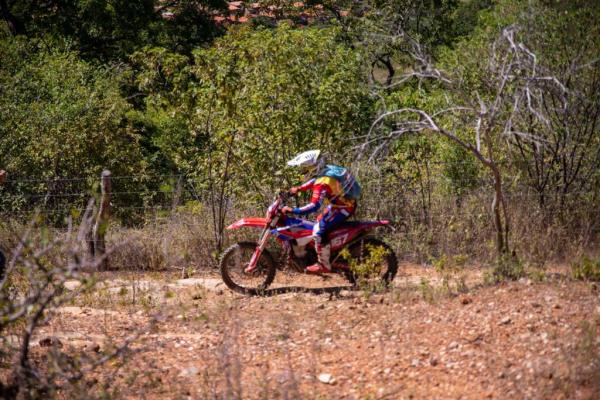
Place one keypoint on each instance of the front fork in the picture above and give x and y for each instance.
(262, 243)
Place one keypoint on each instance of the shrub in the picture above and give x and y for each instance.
(586, 269)
(507, 267)
(59, 117)
(33, 289)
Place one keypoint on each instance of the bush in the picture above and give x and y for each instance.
(34, 288)
(60, 117)
(182, 240)
(508, 267)
(587, 269)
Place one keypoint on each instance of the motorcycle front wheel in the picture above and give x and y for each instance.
(233, 263)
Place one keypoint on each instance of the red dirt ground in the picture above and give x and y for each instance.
(524, 339)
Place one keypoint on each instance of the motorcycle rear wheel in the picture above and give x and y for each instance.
(372, 264)
(236, 258)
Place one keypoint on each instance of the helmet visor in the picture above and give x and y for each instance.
(308, 171)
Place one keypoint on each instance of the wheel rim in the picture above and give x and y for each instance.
(235, 263)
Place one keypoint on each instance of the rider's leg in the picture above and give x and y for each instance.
(326, 222)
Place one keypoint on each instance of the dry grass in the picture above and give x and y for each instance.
(448, 227)
(463, 227)
(182, 240)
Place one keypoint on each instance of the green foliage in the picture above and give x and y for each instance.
(432, 22)
(157, 96)
(449, 269)
(466, 16)
(447, 264)
(190, 26)
(247, 104)
(112, 29)
(156, 83)
(461, 169)
(507, 267)
(543, 164)
(427, 291)
(368, 266)
(60, 116)
(537, 274)
(409, 163)
(586, 269)
(260, 96)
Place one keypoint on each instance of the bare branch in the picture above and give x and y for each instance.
(433, 74)
(45, 269)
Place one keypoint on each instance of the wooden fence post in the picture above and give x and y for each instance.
(102, 220)
(177, 193)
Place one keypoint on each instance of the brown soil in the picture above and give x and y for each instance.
(421, 339)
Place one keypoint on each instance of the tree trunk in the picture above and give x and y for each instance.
(498, 204)
(500, 213)
(14, 25)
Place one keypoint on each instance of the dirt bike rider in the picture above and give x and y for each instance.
(330, 183)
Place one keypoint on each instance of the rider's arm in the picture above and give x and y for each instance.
(318, 195)
(306, 186)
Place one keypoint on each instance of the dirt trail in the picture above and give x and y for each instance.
(517, 340)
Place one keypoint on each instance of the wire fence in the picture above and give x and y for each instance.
(155, 197)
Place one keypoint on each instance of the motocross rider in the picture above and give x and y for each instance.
(330, 184)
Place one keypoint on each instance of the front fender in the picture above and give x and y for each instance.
(252, 222)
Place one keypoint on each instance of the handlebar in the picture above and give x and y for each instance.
(284, 195)
(279, 201)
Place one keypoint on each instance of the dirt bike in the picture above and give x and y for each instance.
(249, 267)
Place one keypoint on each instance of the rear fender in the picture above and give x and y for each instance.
(353, 231)
(375, 224)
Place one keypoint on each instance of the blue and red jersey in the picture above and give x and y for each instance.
(325, 189)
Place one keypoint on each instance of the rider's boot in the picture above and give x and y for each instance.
(323, 265)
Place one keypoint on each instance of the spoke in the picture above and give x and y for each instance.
(237, 262)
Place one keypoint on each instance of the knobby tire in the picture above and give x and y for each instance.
(266, 266)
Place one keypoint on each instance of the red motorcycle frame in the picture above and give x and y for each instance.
(295, 235)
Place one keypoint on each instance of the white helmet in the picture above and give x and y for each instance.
(310, 163)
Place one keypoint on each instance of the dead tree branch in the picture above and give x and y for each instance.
(516, 84)
(31, 292)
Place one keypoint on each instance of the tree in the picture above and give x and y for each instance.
(60, 117)
(112, 29)
(259, 96)
(561, 164)
(372, 26)
(480, 109)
